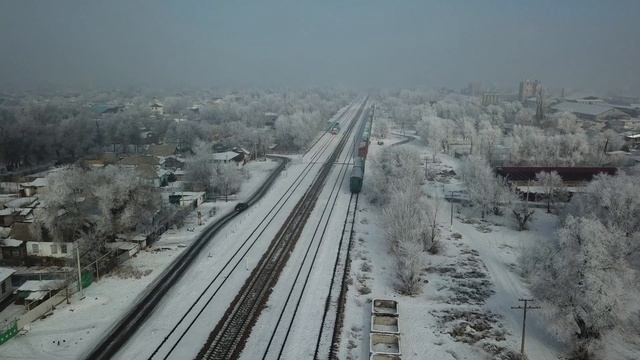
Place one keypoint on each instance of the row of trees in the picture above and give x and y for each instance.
(34, 131)
(444, 120)
(410, 218)
(587, 275)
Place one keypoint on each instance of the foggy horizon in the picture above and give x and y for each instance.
(584, 45)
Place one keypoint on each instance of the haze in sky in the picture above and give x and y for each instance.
(360, 43)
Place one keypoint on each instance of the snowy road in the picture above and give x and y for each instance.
(224, 264)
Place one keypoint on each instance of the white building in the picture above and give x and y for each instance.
(50, 249)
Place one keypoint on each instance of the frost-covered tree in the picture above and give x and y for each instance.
(226, 179)
(430, 234)
(614, 200)
(552, 185)
(394, 168)
(485, 190)
(199, 169)
(581, 277)
(522, 213)
(94, 205)
(380, 128)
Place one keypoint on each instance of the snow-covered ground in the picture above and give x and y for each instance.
(469, 287)
(79, 325)
(221, 270)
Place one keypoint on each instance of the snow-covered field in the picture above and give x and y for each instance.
(72, 329)
(464, 308)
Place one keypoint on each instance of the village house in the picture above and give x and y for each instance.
(41, 251)
(187, 198)
(13, 252)
(6, 288)
(162, 150)
(230, 156)
(147, 168)
(157, 108)
(34, 187)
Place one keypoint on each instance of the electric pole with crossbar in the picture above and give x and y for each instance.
(524, 318)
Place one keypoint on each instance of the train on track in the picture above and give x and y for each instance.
(363, 141)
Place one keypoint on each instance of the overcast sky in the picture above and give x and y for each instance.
(570, 43)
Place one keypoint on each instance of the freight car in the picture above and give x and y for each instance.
(355, 182)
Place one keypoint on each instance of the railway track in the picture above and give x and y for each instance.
(128, 324)
(230, 334)
(208, 294)
(320, 229)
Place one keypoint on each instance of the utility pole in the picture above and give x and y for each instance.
(524, 317)
(79, 270)
(451, 201)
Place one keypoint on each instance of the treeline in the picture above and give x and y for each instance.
(34, 131)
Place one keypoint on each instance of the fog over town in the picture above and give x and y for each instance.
(320, 180)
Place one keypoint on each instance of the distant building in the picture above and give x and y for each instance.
(157, 108)
(529, 88)
(490, 99)
(590, 111)
(107, 109)
(474, 89)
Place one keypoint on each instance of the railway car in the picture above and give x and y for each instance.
(355, 182)
(363, 148)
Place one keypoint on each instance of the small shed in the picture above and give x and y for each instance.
(187, 198)
(33, 292)
(122, 247)
(12, 251)
(33, 187)
(228, 156)
(5, 283)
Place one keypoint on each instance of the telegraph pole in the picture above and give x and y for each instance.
(451, 201)
(80, 288)
(524, 318)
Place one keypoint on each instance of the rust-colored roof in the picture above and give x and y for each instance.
(567, 173)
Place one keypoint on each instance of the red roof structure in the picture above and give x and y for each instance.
(567, 173)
